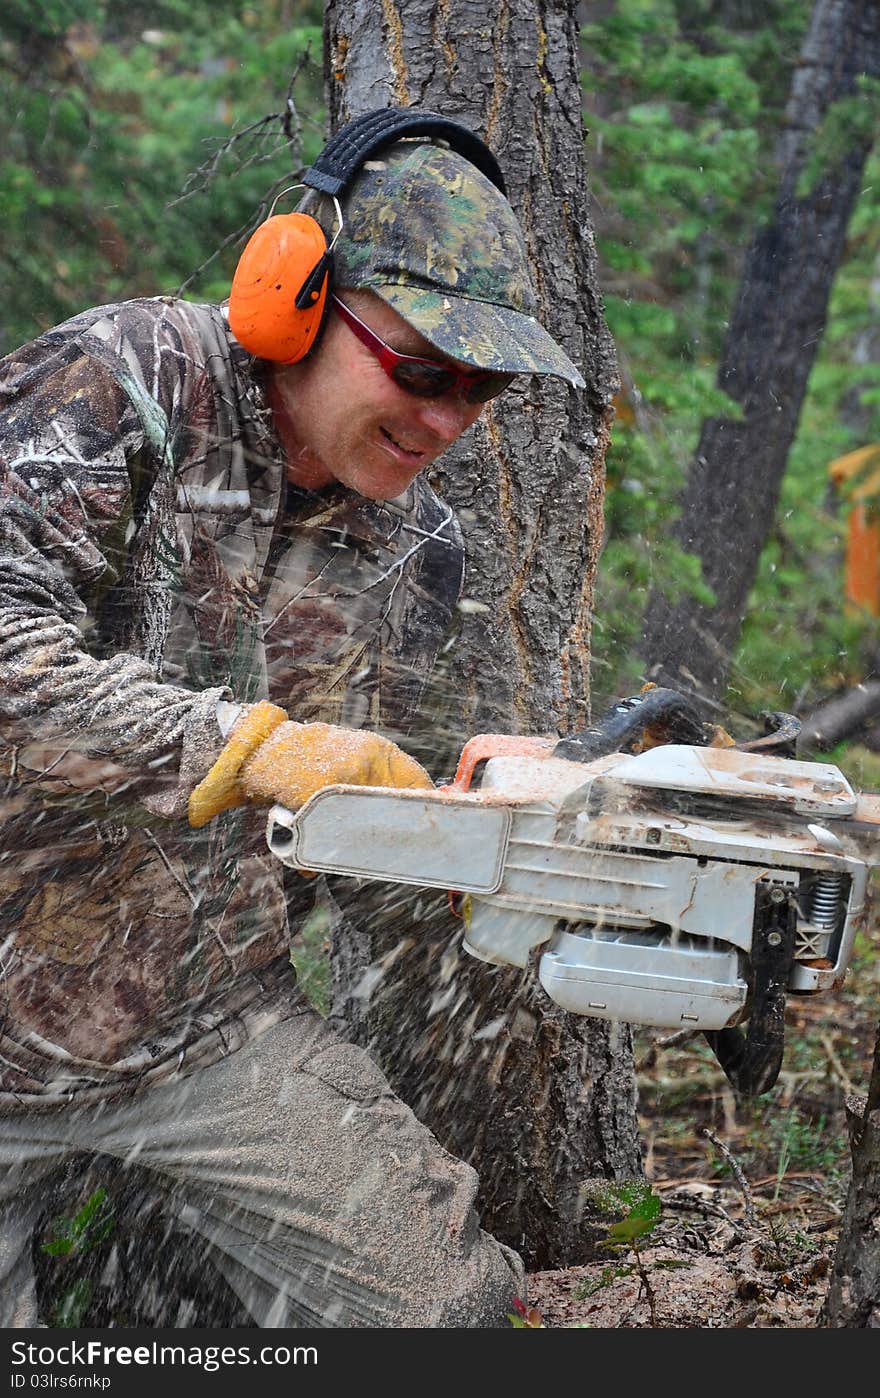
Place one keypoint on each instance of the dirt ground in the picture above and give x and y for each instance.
(751, 1193)
(702, 1267)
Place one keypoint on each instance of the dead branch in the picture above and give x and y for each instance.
(751, 1216)
(262, 140)
(837, 1067)
(842, 716)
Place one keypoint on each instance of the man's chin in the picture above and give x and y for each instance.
(386, 493)
(383, 484)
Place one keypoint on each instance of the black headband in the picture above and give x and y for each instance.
(354, 143)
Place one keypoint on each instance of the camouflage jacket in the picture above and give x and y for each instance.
(154, 561)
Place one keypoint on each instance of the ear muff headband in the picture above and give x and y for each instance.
(354, 143)
(278, 298)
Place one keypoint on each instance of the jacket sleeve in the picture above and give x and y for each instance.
(75, 711)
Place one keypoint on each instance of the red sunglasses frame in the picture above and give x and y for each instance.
(442, 378)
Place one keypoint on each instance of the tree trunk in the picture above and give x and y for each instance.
(853, 1300)
(776, 328)
(537, 1100)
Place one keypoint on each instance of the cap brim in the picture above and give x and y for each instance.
(480, 333)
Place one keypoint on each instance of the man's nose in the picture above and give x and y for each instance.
(449, 415)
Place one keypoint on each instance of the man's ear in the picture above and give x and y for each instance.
(279, 296)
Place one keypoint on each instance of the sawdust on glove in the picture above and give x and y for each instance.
(269, 758)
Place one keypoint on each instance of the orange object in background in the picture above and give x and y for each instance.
(863, 560)
(863, 531)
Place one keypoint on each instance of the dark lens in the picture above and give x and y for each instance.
(424, 379)
(488, 386)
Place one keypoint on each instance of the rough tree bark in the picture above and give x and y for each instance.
(539, 1101)
(775, 330)
(853, 1300)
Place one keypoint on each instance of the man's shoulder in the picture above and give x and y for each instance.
(165, 344)
(137, 328)
(146, 315)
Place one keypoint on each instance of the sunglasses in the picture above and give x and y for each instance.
(425, 378)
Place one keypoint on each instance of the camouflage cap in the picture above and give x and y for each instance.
(431, 235)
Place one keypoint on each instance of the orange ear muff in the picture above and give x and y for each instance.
(278, 294)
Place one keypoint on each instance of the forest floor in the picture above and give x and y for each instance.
(751, 1193)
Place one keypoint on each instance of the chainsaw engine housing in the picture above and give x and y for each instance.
(644, 883)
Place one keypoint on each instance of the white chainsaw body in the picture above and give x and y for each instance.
(633, 877)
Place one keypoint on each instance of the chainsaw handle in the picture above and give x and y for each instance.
(482, 746)
(638, 722)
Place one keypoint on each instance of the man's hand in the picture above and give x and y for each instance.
(268, 758)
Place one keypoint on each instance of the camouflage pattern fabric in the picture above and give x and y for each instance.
(435, 239)
(152, 562)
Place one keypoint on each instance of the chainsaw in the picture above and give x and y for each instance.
(656, 871)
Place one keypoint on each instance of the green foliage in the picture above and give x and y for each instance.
(684, 103)
(805, 1144)
(678, 131)
(309, 956)
(72, 1309)
(108, 111)
(786, 1247)
(90, 1226)
(791, 1139)
(642, 1215)
(638, 1204)
(799, 639)
(607, 1277)
(73, 1239)
(859, 764)
(847, 123)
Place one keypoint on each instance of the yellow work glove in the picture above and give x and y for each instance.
(268, 758)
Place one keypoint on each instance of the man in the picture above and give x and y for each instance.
(195, 544)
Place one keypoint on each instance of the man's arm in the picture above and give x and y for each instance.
(68, 435)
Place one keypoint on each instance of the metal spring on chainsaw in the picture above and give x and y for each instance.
(824, 905)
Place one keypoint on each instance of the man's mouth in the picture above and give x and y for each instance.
(411, 453)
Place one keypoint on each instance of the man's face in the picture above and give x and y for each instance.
(341, 418)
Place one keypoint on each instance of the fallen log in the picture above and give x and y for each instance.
(846, 715)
